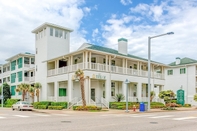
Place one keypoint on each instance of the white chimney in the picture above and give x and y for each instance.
(178, 61)
(122, 46)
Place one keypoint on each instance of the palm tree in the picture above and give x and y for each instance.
(152, 95)
(37, 87)
(79, 73)
(32, 93)
(23, 87)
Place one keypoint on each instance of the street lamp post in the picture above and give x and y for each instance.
(2, 96)
(126, 82)
(149, 55)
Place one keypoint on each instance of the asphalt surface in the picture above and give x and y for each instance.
(93, 121)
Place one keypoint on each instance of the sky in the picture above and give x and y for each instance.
(103, 22)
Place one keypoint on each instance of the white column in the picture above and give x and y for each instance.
(86, 88)
(71, 63)
(124, 89)
(108, 90)
(110, 64)
(123, 64)
(70, 88)
(56, 90)
(89, 89)
(83, 60)
(86, 60)
(106, 62)
(126, 66)
(139, 91)
(139, 68)
(90, 53)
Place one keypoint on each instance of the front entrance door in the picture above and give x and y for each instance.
(93, 94)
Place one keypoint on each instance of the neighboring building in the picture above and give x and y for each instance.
(18, 69)
(182, 74)
(105, 71)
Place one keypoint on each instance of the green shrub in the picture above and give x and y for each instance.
(45, 103)
(35, 104)
(86, 108)
(10, 102)
(55, 107)
(63, 104)
(42, 107)
(187, 105)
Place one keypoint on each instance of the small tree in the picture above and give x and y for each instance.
(37, 87)
(6, 92)
(119, 97)
(32, 93)
(152, 95)
(195, 97)
(24, 88)
(167, 95)
(79, 73)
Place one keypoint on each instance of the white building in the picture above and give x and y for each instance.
(182, 74)
(105, 70)
(18, 69)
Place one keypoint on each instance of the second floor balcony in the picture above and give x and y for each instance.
(103, 68)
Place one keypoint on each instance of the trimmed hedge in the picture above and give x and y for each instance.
(42, 107)
(122, 105)
(63, 104)
(46, 104)
(86, 108)
(55, 107)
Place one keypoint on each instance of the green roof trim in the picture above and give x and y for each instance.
(122, 39)
(184, 61)
(112, 51)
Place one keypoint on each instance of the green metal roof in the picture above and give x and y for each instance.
(122, 39)
(184, 61)
(109, 50)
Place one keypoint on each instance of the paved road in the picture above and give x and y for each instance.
(160, 121)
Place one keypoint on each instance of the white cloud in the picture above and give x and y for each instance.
(126, 2)
(176, 17)
(19, 18)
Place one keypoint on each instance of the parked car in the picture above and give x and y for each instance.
(22, 105)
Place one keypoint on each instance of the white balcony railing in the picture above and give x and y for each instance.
(103, 67)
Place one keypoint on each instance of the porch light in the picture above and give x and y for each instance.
(126, 82)
(149, 50)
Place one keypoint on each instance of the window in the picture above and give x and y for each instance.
(113, 84)
(170, 72)
(75, 62)
(51, 31)
(182, 71)
(13, 88)
(13, 64)
(135, 66)
(93, 60)
(32, 74)
(20, 76)
(62, 91)
(32, 60)
(56, 32)
(130, 67)
(26, 60)
(113, 62)
(8, 79)
(4, 69)
(13, 77)
(20, 62)
(65, 33)
(60, 34)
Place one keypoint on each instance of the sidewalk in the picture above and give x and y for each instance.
(112, 111)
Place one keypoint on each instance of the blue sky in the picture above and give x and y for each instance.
(103, 22)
